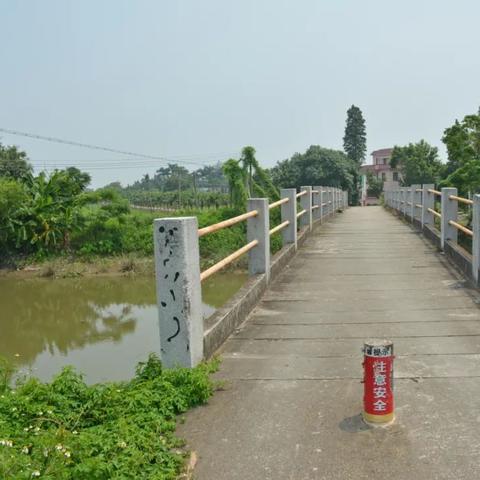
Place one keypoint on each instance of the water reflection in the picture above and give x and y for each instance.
(103, 326)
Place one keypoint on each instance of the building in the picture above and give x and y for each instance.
(381, 169)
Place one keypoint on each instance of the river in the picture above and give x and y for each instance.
(102, 326)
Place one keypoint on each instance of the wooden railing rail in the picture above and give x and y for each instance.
(226, 223)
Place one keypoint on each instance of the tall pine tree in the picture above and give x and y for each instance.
(355, 139)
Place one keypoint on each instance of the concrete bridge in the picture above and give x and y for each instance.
(290, 407)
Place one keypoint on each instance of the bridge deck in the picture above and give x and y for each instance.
(291, 405)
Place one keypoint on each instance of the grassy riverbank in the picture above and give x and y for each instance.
(66, 429)
(122, 243)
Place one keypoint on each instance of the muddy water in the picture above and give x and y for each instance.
(101, 326)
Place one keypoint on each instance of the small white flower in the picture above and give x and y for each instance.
(40, 413)
(26, 429)
(49, 412)
(14, 409)
(25, 450)
(6, 443)
(75, 432)
(122, 445)
(67, 454)
(37, 429)
(45, 452)
(35, 473)
(59, 447)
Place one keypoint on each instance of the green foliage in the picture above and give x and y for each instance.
(12, 196)
(317, 166)
(174, 178)
(355, 139)
(258, 181)
(462, 140)
(236, 183)
(375, 185)
(14, 163)
(417, 162)
(46, 210)
(170, 200)
(68, 430)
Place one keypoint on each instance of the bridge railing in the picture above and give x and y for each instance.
(177, 261)
(436, 212)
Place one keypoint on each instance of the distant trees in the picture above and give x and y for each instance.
(418, 163)
(355, 138)
(14, 163)
(176, 177)
(317, 166)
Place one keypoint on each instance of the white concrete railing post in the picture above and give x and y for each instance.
(449, 212)
(415, 196)
(326, 212)
(317, 201)
(405, 201)
(306, 204)
(330, 201)
(428, 201)
(289, 212)
(258, 228)
(322, 202)
(476, 237)
(179, 297)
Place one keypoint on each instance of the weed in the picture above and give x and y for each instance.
(66, 429)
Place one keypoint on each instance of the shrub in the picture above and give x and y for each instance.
(69, 430)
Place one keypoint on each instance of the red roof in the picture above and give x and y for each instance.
(382, 151)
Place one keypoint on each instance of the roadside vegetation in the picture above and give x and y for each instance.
(47, 217)
(66, 429)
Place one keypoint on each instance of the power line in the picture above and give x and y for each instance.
(105, 149)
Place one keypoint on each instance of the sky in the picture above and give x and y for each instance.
(194, 81)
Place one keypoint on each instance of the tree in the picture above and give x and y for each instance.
(14, 163)
(374, 185)
(462, 140)
(355, 139)
(417, 162)
(257, 180)
(317, 166)
(236, 182)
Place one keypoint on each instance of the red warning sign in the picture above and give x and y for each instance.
(378, 382)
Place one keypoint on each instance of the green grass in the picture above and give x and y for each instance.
(66, 429)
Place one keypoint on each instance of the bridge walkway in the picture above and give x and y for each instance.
(290, 407)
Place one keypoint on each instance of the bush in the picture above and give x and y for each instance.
(69, 430)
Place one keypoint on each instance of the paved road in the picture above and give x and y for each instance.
(291, 405)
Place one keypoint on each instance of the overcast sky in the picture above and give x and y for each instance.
(196, 80)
